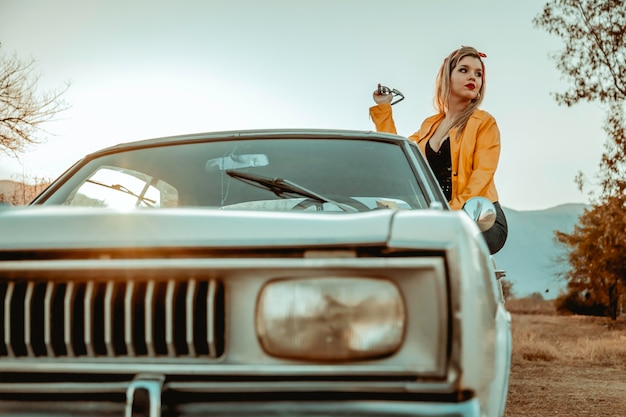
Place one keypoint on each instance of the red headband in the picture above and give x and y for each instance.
(480, 54)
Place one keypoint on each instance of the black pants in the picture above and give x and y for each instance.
(497, 234)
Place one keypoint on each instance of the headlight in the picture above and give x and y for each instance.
(330, 318)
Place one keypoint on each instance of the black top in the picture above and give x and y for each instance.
(441, 164)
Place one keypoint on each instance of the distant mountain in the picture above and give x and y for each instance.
(9, 188)
(530, 255)
(14, 192)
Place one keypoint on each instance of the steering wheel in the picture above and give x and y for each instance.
(348, 201)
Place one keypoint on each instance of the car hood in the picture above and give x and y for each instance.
(59, 227)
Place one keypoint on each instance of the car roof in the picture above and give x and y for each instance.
(254, 134)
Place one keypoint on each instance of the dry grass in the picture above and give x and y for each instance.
(589, 340)
(540, 333)
(565, 365)
(530, 305)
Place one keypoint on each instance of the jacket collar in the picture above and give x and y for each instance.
(429, 125)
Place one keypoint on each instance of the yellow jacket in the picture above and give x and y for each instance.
(474, 153)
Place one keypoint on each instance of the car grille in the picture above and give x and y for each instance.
(112, 318)
(145, 335)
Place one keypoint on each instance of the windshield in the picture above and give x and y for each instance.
(320, 174)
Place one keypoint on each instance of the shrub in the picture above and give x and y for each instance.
(582, 304)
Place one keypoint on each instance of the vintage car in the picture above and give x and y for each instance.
(251, 273)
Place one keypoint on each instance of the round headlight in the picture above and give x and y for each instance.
(330, 318)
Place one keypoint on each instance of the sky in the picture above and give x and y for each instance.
(150, 68)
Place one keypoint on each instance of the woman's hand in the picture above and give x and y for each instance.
(381, 96)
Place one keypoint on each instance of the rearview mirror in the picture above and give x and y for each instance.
(233, 161)
(482, 211)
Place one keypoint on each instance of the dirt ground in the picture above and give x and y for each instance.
(567, 366)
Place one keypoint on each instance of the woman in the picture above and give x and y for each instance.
(460, 142)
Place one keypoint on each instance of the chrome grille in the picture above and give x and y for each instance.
(111, 318)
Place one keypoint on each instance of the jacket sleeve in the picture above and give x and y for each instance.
(484, 162)
(382, 116)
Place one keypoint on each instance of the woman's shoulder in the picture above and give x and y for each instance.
(482, 115)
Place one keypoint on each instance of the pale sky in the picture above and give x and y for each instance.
(152, 68)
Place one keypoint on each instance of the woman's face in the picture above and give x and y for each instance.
(466, 79)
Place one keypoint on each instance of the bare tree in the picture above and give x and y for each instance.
(507, 289)
(24, 109)
(594, 57)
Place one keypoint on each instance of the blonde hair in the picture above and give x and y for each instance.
(442, 85)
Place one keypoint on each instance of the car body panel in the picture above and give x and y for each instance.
(163, 299)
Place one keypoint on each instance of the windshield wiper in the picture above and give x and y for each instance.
(282, 187)
(119, 187)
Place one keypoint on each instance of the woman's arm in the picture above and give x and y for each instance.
(381, 114)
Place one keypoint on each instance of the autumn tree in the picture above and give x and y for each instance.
(596, 248)
(613, 164)
(593, 59)
(23, 108)
(596, 251)
(593, 62)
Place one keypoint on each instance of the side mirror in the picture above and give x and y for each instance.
(482, 211)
